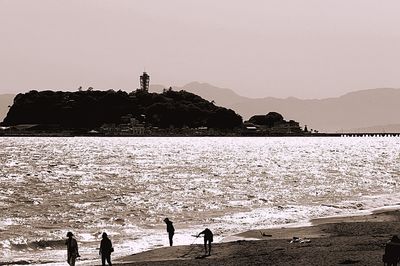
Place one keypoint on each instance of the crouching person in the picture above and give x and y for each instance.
(208, 239)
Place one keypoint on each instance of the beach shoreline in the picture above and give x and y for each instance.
(335, 240)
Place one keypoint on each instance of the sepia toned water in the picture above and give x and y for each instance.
(127, 186)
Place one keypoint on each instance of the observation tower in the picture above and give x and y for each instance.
(144, 82)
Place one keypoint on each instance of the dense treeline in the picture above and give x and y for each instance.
(91, 109)
(270, 120)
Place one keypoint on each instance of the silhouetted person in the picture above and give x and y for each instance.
(170, 230)
(392, 251)
(208, 238)
(105, 250)
(72, 249)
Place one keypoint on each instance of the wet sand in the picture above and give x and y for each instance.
(355, 240)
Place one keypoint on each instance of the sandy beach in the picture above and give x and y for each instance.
(354, 240)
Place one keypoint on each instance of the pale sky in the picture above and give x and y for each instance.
(258, 48)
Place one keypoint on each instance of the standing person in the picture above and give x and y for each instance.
(72, 249)
(392, 251)
(105, 250)
(208, 237)
(170, 230)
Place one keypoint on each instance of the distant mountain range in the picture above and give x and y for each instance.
(221, 96)
(5, 101)
(373, 110)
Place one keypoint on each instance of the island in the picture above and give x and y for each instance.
(138, 113)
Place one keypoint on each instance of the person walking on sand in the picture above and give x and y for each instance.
(72, 249)
(170, 230)
(392, 252)
(208, 237)
(106, 249)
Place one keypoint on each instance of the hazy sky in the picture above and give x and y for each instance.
(281, 48)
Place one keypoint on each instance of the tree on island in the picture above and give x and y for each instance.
(274, 123)
(269, 120)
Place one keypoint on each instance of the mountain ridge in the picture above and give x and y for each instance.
(356, 109)
(5, 101)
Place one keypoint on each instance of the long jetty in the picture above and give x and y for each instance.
(364, 134)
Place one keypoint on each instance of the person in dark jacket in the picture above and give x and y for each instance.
(72, 249)
(392, 252)
(208, 238)
(106, 249)
(170, 230)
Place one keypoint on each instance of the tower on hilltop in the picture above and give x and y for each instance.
(144, 82)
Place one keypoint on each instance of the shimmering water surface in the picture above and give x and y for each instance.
(127, 186)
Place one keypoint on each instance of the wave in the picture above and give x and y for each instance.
(20, 262)
(25, 262)
(40, 244)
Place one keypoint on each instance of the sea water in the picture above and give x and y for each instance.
(127, 186)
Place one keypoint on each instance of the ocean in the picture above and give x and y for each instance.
(127, 186)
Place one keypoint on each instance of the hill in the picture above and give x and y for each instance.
(5, 101)
(91, 109)
(360, 109)
(220, 96)
(353, 110)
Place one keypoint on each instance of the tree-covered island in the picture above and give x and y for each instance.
(119, 113)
